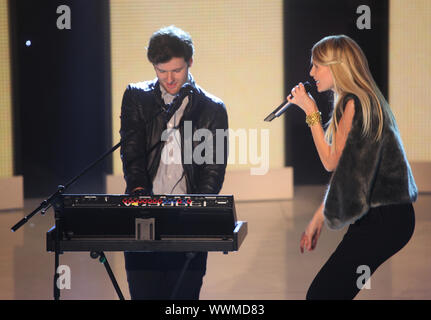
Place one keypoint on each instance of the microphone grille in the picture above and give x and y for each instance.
(307, 86)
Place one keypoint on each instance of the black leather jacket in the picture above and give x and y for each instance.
(143, 117)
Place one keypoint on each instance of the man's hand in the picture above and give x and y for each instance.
(140, 191)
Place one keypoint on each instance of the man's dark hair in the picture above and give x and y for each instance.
(169, 42)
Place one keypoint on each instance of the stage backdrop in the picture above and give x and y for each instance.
(238, 58)
(11, 186)
(6, 154)
(410, 75)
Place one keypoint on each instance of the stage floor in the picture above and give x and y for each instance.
(268, 265)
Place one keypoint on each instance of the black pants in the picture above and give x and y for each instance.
(368, 242)
(154, 275)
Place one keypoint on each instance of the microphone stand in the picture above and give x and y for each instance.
(47, 203)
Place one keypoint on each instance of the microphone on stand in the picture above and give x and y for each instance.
(282, 108)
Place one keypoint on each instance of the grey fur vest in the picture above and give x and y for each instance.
(369, 174)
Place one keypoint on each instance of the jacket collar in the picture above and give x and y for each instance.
(188, 88)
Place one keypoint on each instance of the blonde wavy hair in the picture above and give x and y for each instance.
(351, 75)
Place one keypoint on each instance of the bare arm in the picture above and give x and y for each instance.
(312, 233)
(328, 158)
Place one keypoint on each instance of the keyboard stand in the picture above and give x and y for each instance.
(98, 246)
(103, 260)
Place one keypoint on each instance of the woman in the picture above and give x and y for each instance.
(372, 187)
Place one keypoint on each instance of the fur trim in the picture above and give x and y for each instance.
(369, 174)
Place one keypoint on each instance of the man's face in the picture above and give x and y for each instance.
(173, 74)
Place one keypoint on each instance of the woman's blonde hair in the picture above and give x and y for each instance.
(351, 75)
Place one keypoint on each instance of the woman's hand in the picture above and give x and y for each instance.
(312, 232)
(303, 99)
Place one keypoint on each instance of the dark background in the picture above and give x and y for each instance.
(61, 94)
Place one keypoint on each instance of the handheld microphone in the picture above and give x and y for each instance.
(172, 107)
(282, 108)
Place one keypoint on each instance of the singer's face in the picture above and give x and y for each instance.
(173, 74)
(323, 77)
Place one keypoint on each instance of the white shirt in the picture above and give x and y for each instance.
(170, 177)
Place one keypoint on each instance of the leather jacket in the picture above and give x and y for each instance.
(143, 120)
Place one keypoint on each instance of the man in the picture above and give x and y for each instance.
(162, 115)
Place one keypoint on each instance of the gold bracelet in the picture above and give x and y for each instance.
(313, 118)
